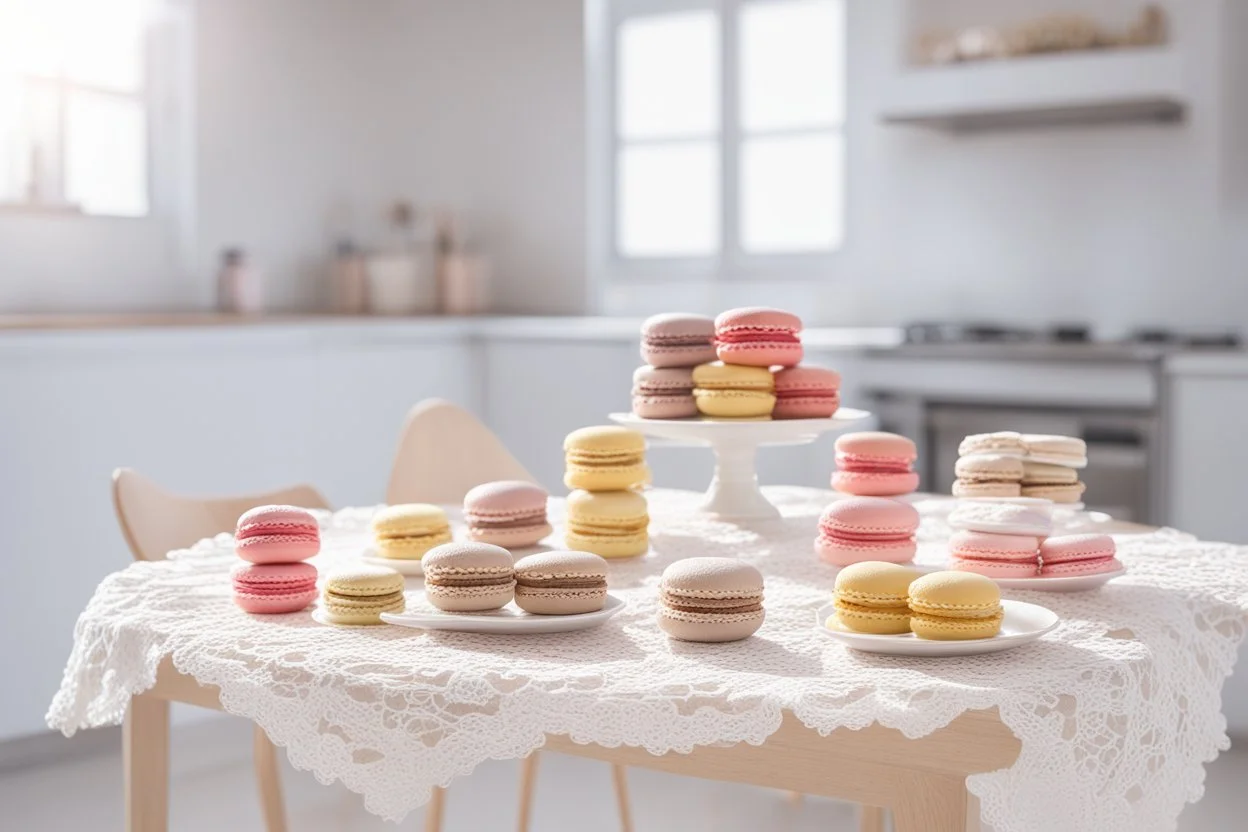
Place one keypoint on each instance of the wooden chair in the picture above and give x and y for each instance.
(155, 521)
(443, 452)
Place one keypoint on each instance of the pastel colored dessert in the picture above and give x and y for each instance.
(730, 391)
(272, 588)
(1051, 482)
(508, 513)
(988, 475)
(995, 555)
(710, 600)
(875, 464)
(1078, 554)
(605, 458)
(806, 393)
(663, 393)
(277, 534)
(1070, 451)
(677, 339)
(871, 597)
(561, 583)
(955, 606)
(360, 594)
(1002, 518)
(613, 524)
(758, 336)
(1007, 442)
(861, 529)
(408, 530)
(468, 577)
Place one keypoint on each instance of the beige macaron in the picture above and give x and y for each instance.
(561, 583)
(468, 577)
(710, 600)
(1051, 482)
(988, 475)
(360, 594)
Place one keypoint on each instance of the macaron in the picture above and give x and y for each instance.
(1078, 554)
(1070, 451)
(508, 513)
(360, 594)
(995, 555)
(875, 464)
(677, 339)
(871, 597)
(271, 588)
(408, 530)
(605, 458)
(861, 529)
(468, 577)
(663, 393)
(988, 475)
(758, 336)
(1051, 482)
(731, 391)
(561, 583)
(710, 600)
(1033, 519)
(805, 392)
(1007, 442)
(955, 606)
(277, 534)
(613, 524)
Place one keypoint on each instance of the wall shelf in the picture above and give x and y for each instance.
(1127, 85)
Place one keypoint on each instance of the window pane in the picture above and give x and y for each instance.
(792, 194)
(105, 43)
(106, 154)
(668, 200)
(668, 76)
(792, 64)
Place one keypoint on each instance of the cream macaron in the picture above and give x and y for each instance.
(955, 606)
(360, 594)
(710, 600)
(872, 597)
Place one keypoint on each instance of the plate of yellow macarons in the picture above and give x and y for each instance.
(894, 610)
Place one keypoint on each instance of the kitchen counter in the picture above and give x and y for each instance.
(1226, 364)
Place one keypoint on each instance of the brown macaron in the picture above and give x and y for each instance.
(710, 599)
(468, 577)
(561, 583)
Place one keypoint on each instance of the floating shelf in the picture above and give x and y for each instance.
(1126, 85)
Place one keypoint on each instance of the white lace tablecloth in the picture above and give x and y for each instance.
(1118, 709)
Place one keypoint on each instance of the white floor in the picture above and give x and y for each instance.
(573, 795)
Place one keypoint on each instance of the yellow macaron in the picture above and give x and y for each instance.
(605, 458)
(360, 594)
(611, 524)
(871, 597)
(732, 391)
(407, 531)
(955, 606)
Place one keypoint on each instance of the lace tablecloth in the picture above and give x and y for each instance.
(1117, 710)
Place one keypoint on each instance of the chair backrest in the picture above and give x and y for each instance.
(443, 452)
(155, 521)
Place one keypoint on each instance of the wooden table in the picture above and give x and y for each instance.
(922, 781)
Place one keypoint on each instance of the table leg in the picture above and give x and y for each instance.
(973, 823)
(870, 818)
(268, 780)
(930, 803)
(433, 810)
(145, 754)
(620, 779)
(528, 784)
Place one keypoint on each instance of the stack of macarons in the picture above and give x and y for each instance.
(672, 344)
(887, 599)
(861, 529)
(606, 515)
(507, 513)
(710, 599)
(275, 541)
(875, 464)
(408, 530)
(999, 540)
(1010, 464)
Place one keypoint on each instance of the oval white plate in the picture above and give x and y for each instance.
(319, 616)
(1070, 583)
(404, 566)
(507, 621)
(1023, 622)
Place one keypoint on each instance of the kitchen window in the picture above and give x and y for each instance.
(716, 137)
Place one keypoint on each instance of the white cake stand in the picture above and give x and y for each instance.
(734, 493)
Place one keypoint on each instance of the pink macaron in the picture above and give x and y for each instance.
(758, 336)
(806, 393)
(1071, 555)
(507, 513)
(677, 339)
(277, 534)
(272, 588)
(664, 393)
(875, 464)
(995, 555)
(867, 528)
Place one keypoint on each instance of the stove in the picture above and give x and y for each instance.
(1063, 333)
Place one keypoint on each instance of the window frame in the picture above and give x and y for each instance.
(731, 263)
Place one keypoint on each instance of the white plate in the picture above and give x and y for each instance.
(1023, 622)
(319, 616)
(411, 567)
(760, 432)
(1036, 502)
(1070, 583)
(507, 621)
